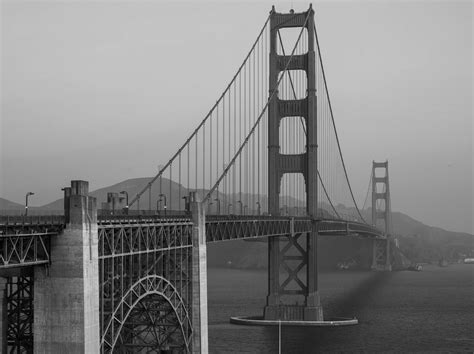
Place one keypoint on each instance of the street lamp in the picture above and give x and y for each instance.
(258, 207)
(158, 202)
(186, 204)
(228, 208)
(26, 203)
(126, 201)
(164, 206)
(240, 202)
(218, 206)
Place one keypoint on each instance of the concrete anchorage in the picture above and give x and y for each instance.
(66, 301)
(305, 164)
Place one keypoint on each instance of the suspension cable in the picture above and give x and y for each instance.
(224, 173)
(304, 129)
(334, 125)
(205, 118)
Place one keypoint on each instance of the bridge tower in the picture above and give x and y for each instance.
(66, 294)
(381, 192)
(288, 250)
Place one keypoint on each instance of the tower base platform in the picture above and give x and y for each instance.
(259, 321)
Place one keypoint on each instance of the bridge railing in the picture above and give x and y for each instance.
(25, 240)
(145, 219)
(32, 220)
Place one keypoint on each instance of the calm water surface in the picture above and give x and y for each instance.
(428, 311)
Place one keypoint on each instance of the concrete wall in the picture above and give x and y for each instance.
(3, 315)
(66, 300)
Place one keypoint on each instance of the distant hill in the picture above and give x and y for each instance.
(8, 205)
(422, 243)
(131, 186)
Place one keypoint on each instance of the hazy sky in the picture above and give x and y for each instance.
(108, 90)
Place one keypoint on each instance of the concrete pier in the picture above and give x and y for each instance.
(3, 315)
(199, 277)
(66, 301)
(381, 255)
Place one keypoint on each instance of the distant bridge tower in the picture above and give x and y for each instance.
(381, 192)
(295, 253)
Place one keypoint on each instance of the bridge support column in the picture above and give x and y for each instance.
(293, 257)
(66, 300)
(381, 255)
(271, 310)
(199, 277)
(313, 310)
(3, 315)
(293, 298)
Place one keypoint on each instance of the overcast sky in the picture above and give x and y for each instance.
(108, 90)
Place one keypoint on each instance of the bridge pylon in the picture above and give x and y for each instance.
(293, 298)
(199, 276)
(381, 214)
(66, 294)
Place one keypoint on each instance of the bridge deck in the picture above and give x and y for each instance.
(25, 241)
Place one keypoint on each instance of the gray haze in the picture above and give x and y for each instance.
(107, 90)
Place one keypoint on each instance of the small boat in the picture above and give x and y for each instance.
(416, 267)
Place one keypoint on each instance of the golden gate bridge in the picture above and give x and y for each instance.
(264, 163)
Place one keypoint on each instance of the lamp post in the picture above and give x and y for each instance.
(228, 208)
(240, 202)
(26, 203)
(126, 201)
(218, 206)
(164, 206)
(258, 207)
(186, 204)
(158, 202)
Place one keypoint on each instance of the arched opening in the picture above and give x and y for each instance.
(292, 195)
(292, 135)
(287, 38)
(151, 317)
(151, 326)
(292, 85)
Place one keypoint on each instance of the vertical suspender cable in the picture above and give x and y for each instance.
(334, 125)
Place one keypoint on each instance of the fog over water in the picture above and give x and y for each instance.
(108, 90)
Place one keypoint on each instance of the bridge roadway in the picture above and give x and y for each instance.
(25, 241)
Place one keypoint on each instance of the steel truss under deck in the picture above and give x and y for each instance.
(19, 306)
(230, 227)
(145, 271)
(25, 240)
(145, 285)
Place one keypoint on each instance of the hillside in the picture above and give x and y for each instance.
(8, 205)
(172, 190)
